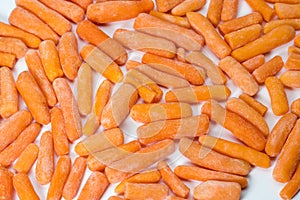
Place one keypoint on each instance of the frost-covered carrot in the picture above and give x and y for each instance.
(187, 6)
(6, 184)
(295, 107)
(139, 191)
(254, 63)
(7, 60)
(229, 9)
(291, 79)
(258, 106)
(287, 11)
(82, 3)
(164, 6)
(24, 187)
(275, 23)
(27, 159)
(180, 21)
(263, 8)
(292, 187)
(13, 46)
(293, 61)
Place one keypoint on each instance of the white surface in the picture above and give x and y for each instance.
(261, 184)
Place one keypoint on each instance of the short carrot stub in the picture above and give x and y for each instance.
(7, 60)
(295, 107)
(254, 63)
(27, 159)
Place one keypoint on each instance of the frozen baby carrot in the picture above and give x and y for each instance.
(14, 150)
(68, 55)
(13, 46)
(35, 67)
(263, 8)
(173, 129)
(122, 10)
(212, 39)
(214, 11)
(292, 187)
(287, 11)
(72, 184)
(139, 191)
(202, 174)
(229, 9)
(45, 162)
(33, 97)
(174, 183)
(59, 178)
(211, 190)
(293, 61)
(208, 158)
(82, 3)
(291, 79)
(50, 60)
(27, 159)
(7, 60)
(27, 21)
(88, 31)
(289, 157)
(10, 31)
(57, 22)
(9, 102)
(295, 107)
(146, 113)
(275, 23)
(6, 184)
(24, 188)
(181, 36)
(69, 108)
(278, 36)
(258, 106)
(180, 21)
(187, 6)
(94, 187)
(239, 75)
(164, 6)
(297, 40)
(279, 134)
(279, 101)
(254, 63)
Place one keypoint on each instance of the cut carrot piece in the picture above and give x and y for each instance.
(187, 6)
(291, 79)
(287, 11)
(181, 55)
(214, 11)
(180, 21)
(102, 97)
(6, 184)
(295, 107)
(82, 3)
(293, 61)
(139, 191)
(295, 23)
(7, 60)
(254, 63)
(164, 6)
(229, 9)
(263, 8)
(27, 159)
(13, 46)
(258, 106)
(292, 187)
(24, 188)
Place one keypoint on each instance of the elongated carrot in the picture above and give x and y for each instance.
(292, 187)
(68, 55)
(92, 34)
(202, 174)
(24, 188)
(26, 159)
(74, 179)
(258, 106)
(69, 108)
(174, 183)
(50, 60)
(229, 9)
(295, 107)
(13, 46)
(279, 134)
(53, 19)
(35, 67)
(254, 63)
(138, 191)
(164, 6)
(14, 150)
(6, 184)
(263, 8)
(291, 79)
(212, 39)
(59, 178)
(239, 75)
(27, 21)
(187, 6)
(122, 10)
(293, 61)
(94, 187)
(173, 129)
(180, 21)
(82, 3)
(275, 23)
(289, 157)
(214, 11)
(33, 97)
(7, 60)
(287, 11)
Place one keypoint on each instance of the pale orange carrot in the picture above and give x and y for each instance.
(254, 63)
(82, 3)
(24, 187)
(8, 96)
(68, 55)
(292, 187)
(181, 54)
(50, 60)
(202, 174)
(15, 149)
(263, 8)
(139, 191)
(73, 182)
(60, 139)
(27, 159)
(258, 106)
(287, 11)
(6, 184)
(297, 41)
(69, 108)
(7, 60)
(27, 21)
(293, 61)
(275, 23)
(94, 187)
(164, 6)
(295, 107)
(91, 124)
(291, 79)
(187, 6)
(13, 46)
(180, 21)
(53, 19)
(229, 9)
(102, 97)
(35, 67)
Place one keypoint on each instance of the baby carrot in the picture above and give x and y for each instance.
(211, 190)
(295, 107)
(68, 55)
(263, 8)
(291, 79)
(284, 1)
(208, 158)
(180, 21)
(115, 198)
(24, 188)
(89, 32)
(181, 55)
(287, 11)
(292, 187)
(275, 23)
(15, 149)
(173, 129)
(50, 60)
(35, 67)
(122, 10)
(297, 40)
(212, 39)
(254, 62)
(293, 61)
(10, 31)
(72, 184)
(27, 159)
(53, 19)
(164, 6)
(33, 97)
(279, 134)
(7, 60)
(229, 9)
(139, 191)
(214, 11)
(202, 174)
(279, 101)
(278, 36)
(69, 108)
(94, 187)
(27, 21)
(6, 184)
(102, 97)
(59, 178)
(174, 183)
(9, 102)
(289, 157)
(258, 106)
(13, 46)
(82, 3)
(187, 6)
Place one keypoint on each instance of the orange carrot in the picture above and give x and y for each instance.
(263, 8)
(27, 159)
(214, 11)
(292, 187)
(295, 107)
(229, 9)
(293, 61)
(24, 188)
(187, 6)
(254, 63)
(164, 6)
(258, 106)
(181, 55)
(287, 11)
(180, 21)
(102, 97)
(174, 198)
(139, 191)
(82, 3)
(13, 46)
(6, 184)
(291, 79)
(275, 23)
(7, 60)
(297, 41)
(115, 198)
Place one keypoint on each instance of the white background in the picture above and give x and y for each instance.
(261, 184)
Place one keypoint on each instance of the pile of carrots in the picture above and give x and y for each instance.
(157, 91)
